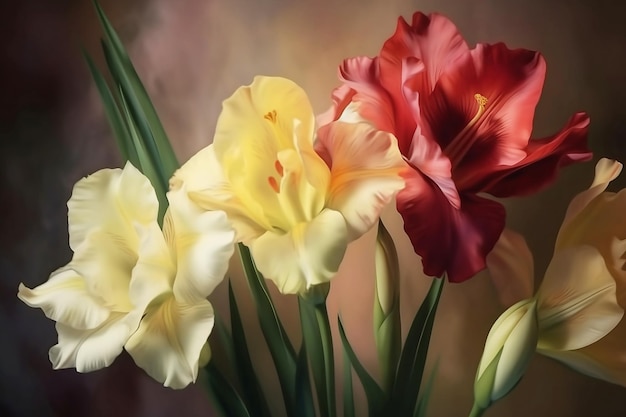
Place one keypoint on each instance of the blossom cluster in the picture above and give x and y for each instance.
(429, 123)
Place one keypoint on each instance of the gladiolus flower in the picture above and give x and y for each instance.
(575, 315)
(463, 120)
(294, 204)
(131, 285)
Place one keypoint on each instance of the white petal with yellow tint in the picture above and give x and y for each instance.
(111, 199)
(153, 274)
(202, 243)
(170, 340)
(309, 254)
(365, 165)
(93, 349)
(605, 359)
(203, 182)
(577, 305)
(105, 261)
(64, 298)
(511, 267)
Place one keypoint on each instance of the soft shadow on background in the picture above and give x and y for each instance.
(192, 54)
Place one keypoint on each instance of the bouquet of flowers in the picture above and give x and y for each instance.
(428, 125)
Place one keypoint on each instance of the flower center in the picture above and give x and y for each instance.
(463, 141)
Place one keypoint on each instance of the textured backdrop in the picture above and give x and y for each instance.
(191, 55)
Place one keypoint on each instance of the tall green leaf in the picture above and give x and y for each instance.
(139, 102)
(281, 349)
(304, 396)
(252, 391)
(223, 392)
(376, 398)
(413, 358)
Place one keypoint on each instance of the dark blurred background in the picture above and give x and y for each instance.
(192, 54)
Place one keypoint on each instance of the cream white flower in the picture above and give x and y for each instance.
(575, 315)
(131, 285)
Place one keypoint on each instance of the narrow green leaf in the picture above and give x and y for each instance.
(228, 399)
(424, 398)
(140, 104)
(376, 398)
(348, 394)
(281, 349)
(112, 111)
(252, 391)
(413, 357)
(304, 395)
(226, 341)
(145, 163)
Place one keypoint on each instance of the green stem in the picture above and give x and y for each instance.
(321, 315)
(477, 411)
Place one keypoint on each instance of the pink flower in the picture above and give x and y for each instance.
(463, 120)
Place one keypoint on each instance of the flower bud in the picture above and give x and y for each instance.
(510, 345)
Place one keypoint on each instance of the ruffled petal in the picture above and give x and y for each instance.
(511, 267)
(481, 110)
(576, 301)
(309, 254)
(170, 339)
(544, 158)
(154, 272)
(202, 243)
(93, 349)
(606, 171)
(105, 261)
(451, 240)
(64, 298)
(433, 40)
(365, 165)
(111, 200)
(204, 183)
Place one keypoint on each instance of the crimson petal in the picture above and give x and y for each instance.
(545, 158)
(451, 240)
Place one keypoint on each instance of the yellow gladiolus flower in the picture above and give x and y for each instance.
(130, 285)
(297, 204)
(575, 315)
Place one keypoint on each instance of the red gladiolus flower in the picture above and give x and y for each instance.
(463, 120)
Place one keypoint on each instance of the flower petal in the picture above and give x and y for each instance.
(365, 165)
(605, 359)
(93, 349)
(433, 40)
(576, 300)
(105, 261)
(476, 135)
(449, 239)
(309, 254)
(544, 158)
(203, 243)
(64, 298)
(511, 267)
(203, 180)
(170, 339)
(111, 199)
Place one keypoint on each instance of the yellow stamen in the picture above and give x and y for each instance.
(459, 146)
(271, 116)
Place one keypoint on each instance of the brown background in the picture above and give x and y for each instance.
(192, 54)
